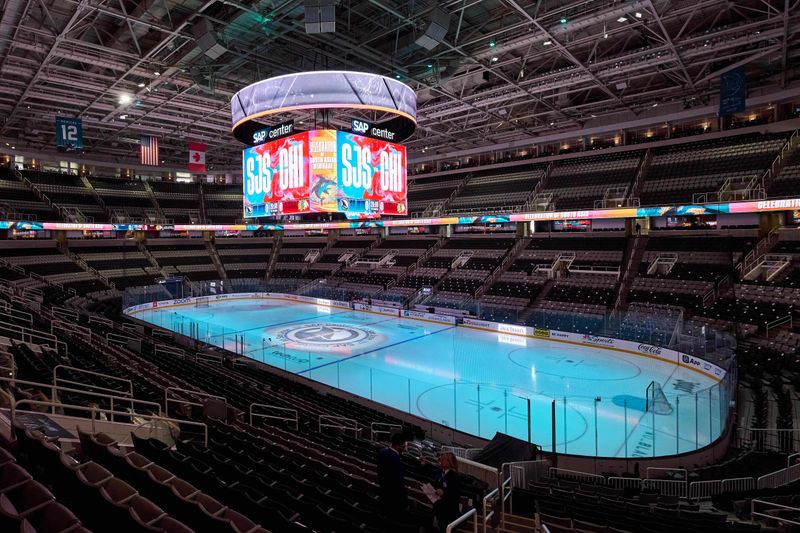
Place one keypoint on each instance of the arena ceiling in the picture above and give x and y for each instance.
(507, 70)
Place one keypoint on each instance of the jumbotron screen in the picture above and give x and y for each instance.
(323, 171)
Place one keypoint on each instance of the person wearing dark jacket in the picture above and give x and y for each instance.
(391, 478)
(448, 488)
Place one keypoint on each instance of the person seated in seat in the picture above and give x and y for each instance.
(448, 488)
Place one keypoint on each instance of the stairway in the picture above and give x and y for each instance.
(516, 524)
(212, 253)
(508, 260)
(273, 258)
(150, 257)
(97, 198)
(453, 195)
(203, 213)
(548, 285)
(154, 201)
(749, 261)
(37, 192)
(84, 265)
(777, 164)
(632, 258)
(421, 261)
(641, 175)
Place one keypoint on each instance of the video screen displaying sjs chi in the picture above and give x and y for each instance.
(323, 171)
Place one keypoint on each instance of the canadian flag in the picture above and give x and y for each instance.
(197, 157)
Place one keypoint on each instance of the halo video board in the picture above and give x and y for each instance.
(323, 171)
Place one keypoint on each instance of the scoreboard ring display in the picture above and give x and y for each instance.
(324, 90)
(360, 173)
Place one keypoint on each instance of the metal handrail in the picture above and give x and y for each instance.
(487, 515)
(32, 336)
(93, 373)
(284, 409)
(187, 402)
(353, 428)
(388, 428)
(463, 518)
(504, 497)
(96, 410)
(781, 521)
(55, 389)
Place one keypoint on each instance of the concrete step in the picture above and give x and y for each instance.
(517, 524)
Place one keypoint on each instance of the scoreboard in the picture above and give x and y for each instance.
(322, 171)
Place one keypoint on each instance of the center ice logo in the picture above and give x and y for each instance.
(327, 335)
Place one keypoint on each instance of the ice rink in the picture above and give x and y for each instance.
(475, 381)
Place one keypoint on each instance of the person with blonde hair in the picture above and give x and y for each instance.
(448, 488)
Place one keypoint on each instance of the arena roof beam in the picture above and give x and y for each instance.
(76, 16)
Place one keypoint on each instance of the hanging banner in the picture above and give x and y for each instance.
(69, 133)
(732, 92)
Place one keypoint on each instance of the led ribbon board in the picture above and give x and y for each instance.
(325, 171)
(324, 90)
(760, 206)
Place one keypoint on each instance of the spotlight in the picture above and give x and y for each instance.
(494, 59)
(563, 20)
(548, 42)
(156, 73)
(397, 76)
(141, 85)
(638, 15)
(622, 19)
(124, 99)
(492, 44)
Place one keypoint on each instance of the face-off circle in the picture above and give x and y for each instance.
(324, 337)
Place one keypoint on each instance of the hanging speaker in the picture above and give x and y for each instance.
(206, 39)
(436, 30)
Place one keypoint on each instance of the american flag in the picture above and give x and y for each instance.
(148, 150)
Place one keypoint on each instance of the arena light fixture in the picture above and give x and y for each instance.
(548, 42)
(141, 85)
(622, 19)
(563, 20)
(492, 44)
(638, 15)
(124, 99)
(494, 59)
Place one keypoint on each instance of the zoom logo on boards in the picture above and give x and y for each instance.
(326, 335)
